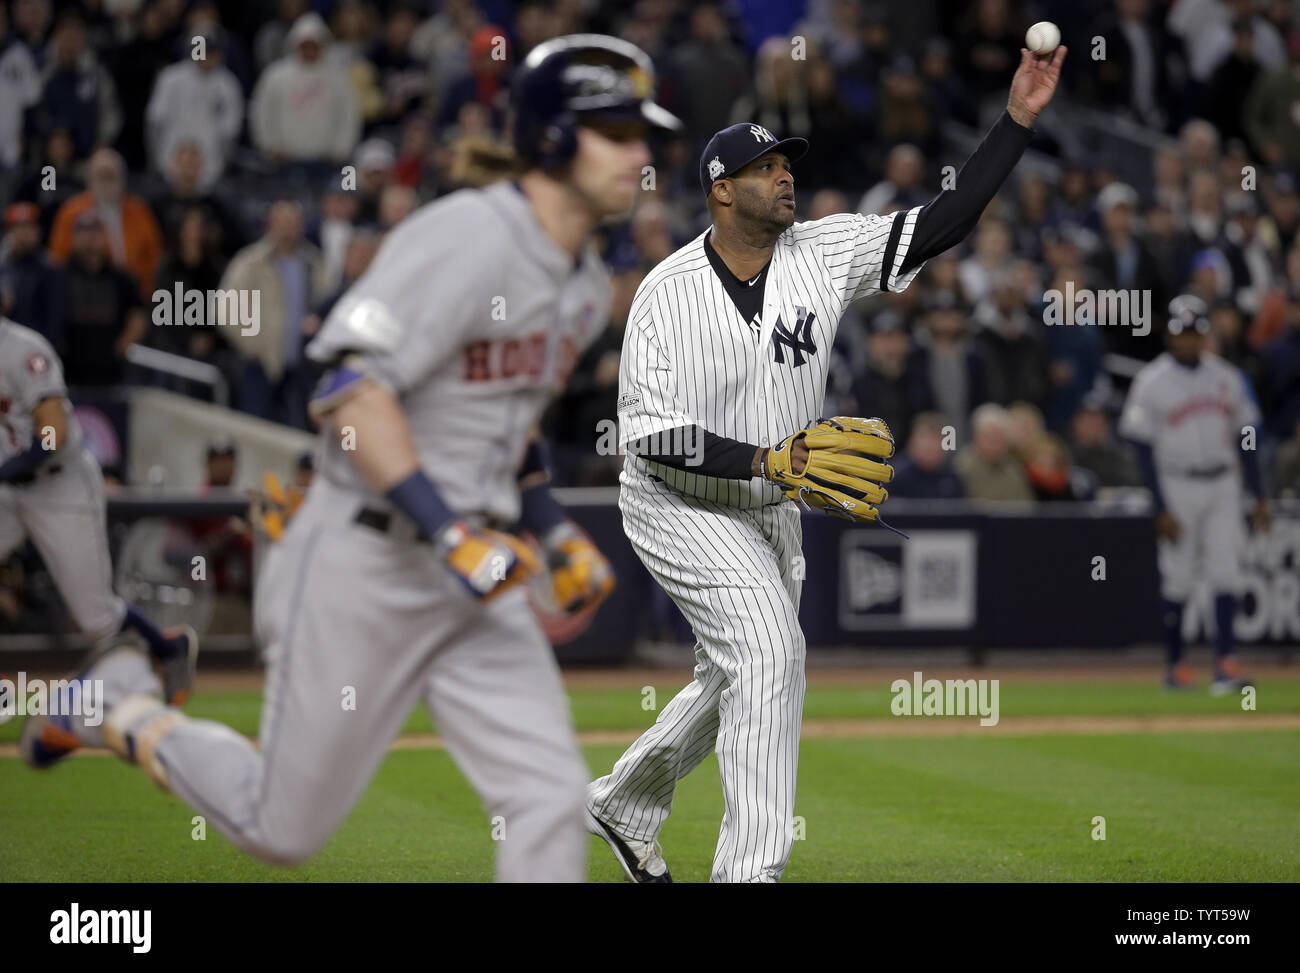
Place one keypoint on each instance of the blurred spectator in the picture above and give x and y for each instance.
(707, 73)
(905, 112)
(352, 40)
(924, 471)
(395, 205)
(338, 219)
(950, 96)
(485, 85)
(374, 163)
(902, 185)
(651, 233)
(401, 75)
(303, 111)
(51, 189)
(841, 160)
(1124, 263)
(31, 289)
(78, 92)
(272, 38)
(1283, 357)
(32, 19)
(1047, 466)
(193, 265)
(990, 253)
(136, 65)
(1096, 449)
(104, 314)
(1075, 355)
(413, 166)
(20, 90)
(1230, 344)
(1171, 248)
(1132, 77)
(1232, 81)
(1286, 471)
(363, 243)
(1033, 205)
(1170, 178)
(287, 272)
(442, 42)
(1206, 29)
(988, 47)
(131, 231)
(1026, 425)
(184, 191)
(827, 202)
(589, 402)
(778, 98)
(203, 18)
(892, 384)
(1283, 223)
(196, 101)
(219, 465)
(949, 361)
(987, 468)
(1280, 307)
(1199, 143)
(1205, 208)
(1012, 346)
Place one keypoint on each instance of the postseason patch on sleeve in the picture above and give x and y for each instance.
(629, 401)
(38, 364)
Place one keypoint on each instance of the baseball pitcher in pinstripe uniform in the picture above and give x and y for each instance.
(724, 368)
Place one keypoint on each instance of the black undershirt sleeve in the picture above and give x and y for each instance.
(696, 450)
(947, 219)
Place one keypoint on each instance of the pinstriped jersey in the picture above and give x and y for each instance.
(690, 357)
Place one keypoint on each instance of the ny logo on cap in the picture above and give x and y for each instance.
(716, 168)
(761, 134)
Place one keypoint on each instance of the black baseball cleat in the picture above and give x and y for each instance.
(642, 861)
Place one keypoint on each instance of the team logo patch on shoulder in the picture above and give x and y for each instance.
(38, 364)
(629, 401)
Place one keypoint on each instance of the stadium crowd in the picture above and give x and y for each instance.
(150, 145)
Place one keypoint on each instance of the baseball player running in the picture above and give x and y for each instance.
(395, 582)
(724, 366)
(1187, 414)
(52, 491)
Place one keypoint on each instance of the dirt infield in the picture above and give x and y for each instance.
(934, 727)
(621, 677)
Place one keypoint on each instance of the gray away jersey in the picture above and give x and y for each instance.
(30, 372)
(1191, 417)
(474, 317)
(690, 358)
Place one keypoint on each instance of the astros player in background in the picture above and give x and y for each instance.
(725, 357)
(1187, 413)
(52, 491)
(395, 580)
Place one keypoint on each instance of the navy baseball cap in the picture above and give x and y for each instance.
(735, 147)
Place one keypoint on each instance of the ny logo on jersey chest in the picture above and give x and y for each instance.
(798, 339)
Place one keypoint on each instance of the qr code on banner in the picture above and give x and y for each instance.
(938, 577)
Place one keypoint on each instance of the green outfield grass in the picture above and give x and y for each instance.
(1196, 806)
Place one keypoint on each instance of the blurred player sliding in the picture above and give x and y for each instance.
(1190, 414)
(724, 364)
(395, 582)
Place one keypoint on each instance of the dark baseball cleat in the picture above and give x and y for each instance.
(45, 740)
(642, 861)
(177, 671)
(1228, 678)
(1179, 677)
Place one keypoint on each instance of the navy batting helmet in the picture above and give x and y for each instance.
(576, 78)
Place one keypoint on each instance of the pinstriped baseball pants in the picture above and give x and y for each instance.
(732, 573)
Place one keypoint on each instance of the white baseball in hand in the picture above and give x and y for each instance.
(1043, 38)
